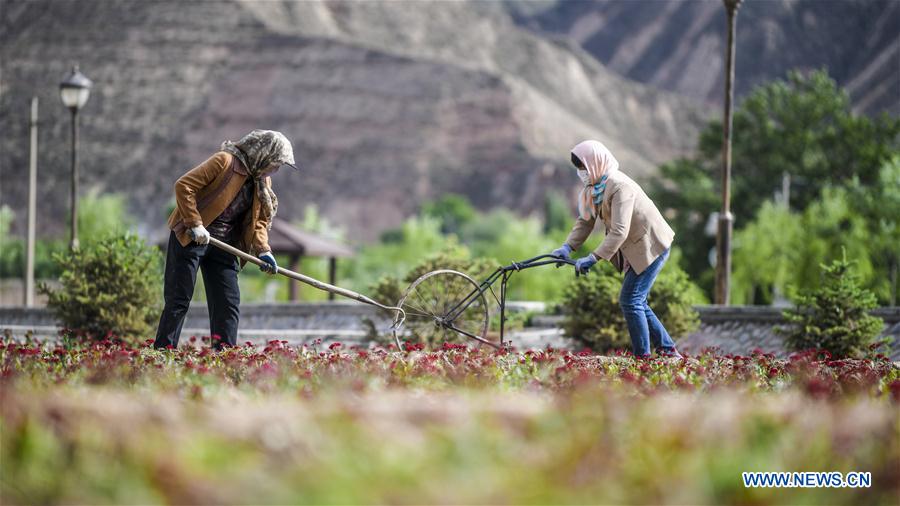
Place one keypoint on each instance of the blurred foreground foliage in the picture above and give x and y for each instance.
(278, 424)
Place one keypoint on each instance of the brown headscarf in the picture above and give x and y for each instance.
(258, 150)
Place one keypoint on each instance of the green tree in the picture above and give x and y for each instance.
(453, 211)
(880, 204)
(314, 222)
(766, 255)
(687, 193)
(781, 251)
(831, 226)
(802, 127)
(834, 317)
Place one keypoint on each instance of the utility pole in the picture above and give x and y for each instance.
(726, 219)
(32, 205)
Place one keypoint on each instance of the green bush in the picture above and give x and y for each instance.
(834, 317)
(112, 285)
(593, 317)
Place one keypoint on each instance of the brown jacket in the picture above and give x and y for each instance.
(206, 190)
(634, 226)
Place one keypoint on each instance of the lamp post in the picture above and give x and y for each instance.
(726, 219)
(74, 91)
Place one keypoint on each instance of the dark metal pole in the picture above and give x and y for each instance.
(332, 274)
(726, 219)
(73, 244)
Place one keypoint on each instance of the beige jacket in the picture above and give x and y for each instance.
(634, 226)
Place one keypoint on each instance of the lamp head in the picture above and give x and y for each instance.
(75, 90)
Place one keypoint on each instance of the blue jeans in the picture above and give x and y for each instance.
(643, 325)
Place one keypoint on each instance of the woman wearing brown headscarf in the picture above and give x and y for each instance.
(229, 197)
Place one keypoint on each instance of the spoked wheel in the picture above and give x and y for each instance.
(443, 307)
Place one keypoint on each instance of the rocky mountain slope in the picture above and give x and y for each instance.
(388, 103)
(680, 45)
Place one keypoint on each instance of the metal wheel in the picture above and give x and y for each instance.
(436, 303)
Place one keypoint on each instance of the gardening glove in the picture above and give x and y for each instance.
(584, 264)
(200, 234)
(562, 252)
(272, 266)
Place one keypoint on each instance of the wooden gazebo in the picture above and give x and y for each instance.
(286, 239)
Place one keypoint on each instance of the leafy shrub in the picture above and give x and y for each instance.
(594, 318)
(834, 317)
(112, 286)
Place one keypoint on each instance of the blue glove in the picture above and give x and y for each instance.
(272, 266)
(584, 264)
(562, 252)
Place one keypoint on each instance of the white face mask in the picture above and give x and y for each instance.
(584, 176)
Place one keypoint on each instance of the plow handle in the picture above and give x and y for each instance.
(350, 294)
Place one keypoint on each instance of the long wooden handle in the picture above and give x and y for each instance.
(350, 294)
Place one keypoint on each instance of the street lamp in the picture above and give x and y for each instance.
(74, 91)
(726, 219)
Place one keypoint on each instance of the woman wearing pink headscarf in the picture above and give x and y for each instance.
(637, 240)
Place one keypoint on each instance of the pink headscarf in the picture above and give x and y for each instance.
(599, 162)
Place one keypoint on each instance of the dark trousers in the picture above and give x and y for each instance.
(220, 278)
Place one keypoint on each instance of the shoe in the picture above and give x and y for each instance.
(673, 353)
